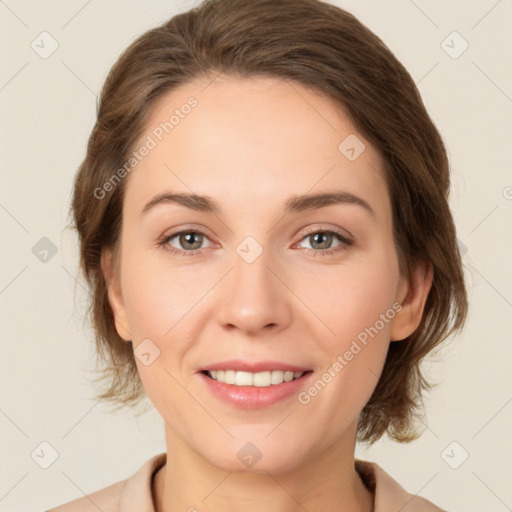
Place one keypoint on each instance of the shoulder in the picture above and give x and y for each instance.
(106, 500)
(388, 493)
(130, 495)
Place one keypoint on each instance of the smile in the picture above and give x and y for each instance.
(248, 390)
(259, 379)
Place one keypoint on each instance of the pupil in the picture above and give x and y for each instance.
(189, 237)
(317, 235)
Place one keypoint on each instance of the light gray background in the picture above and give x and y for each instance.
(47, 112)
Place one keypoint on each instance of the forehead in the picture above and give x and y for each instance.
(252, 140)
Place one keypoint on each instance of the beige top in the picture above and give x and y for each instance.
(134, 493)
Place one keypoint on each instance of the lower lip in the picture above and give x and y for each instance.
(252, 397)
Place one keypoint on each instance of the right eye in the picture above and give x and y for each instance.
(190, 240)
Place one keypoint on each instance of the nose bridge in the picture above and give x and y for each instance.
(253, 296)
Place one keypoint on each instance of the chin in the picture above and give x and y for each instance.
(255, 457)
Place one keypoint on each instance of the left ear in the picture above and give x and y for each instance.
(412, 294)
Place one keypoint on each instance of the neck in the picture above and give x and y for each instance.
(326, 481)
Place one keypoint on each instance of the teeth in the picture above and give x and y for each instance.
(260, 379)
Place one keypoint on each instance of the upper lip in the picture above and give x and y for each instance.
(255, 367)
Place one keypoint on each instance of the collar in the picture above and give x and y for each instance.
(389, 494)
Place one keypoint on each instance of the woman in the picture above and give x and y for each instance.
(264, 224)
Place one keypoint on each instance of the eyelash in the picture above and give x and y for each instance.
(345, 242)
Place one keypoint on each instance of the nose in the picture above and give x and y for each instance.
(254, 297)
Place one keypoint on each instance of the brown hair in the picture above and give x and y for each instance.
(328, 50)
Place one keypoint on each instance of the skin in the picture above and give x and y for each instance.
(250, 144)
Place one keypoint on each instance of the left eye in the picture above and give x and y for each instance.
(191, 241)
(323, 240)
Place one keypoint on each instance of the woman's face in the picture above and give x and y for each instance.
(267, 276)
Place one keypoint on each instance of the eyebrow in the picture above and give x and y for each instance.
(295, 204)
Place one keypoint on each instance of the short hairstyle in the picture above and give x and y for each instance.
(327, 50)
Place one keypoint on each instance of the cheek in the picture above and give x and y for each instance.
(349, 299)
(156, 296)
(162, 305)
(359, 309)
(159, 305)
(355, 308)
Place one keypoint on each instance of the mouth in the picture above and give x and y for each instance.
(254, 390)
(249, 383)
(254, 379)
